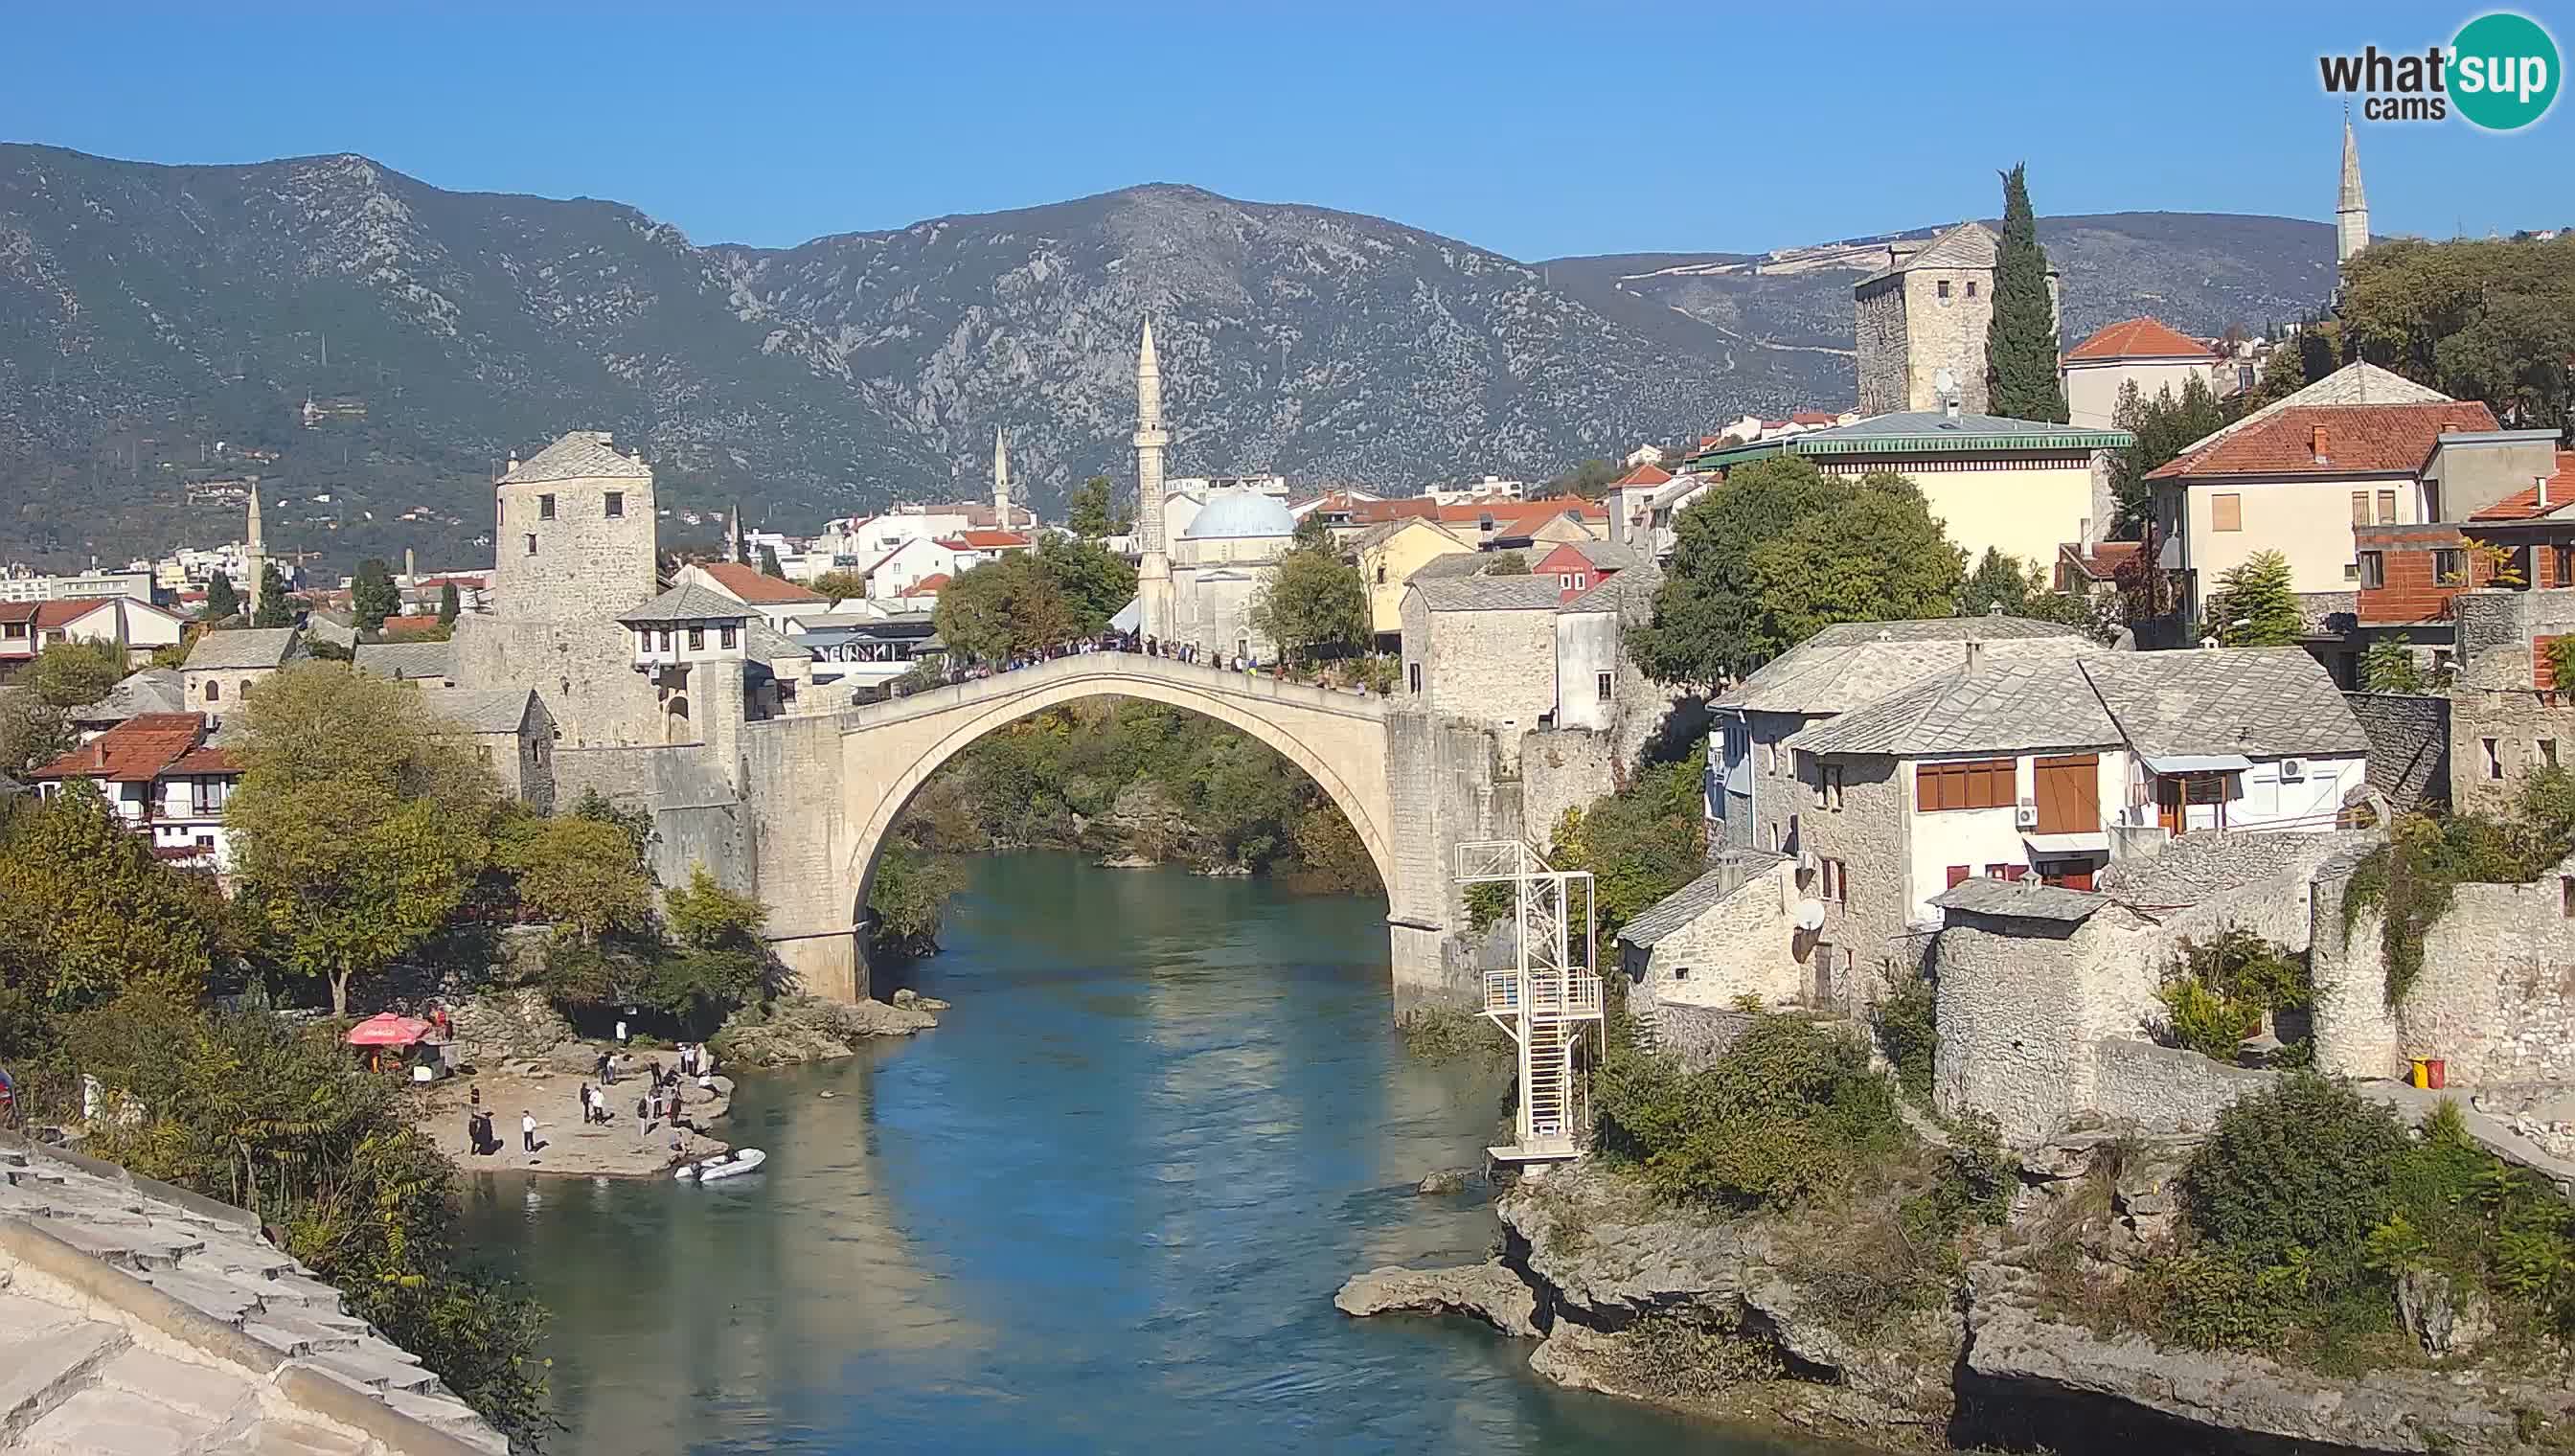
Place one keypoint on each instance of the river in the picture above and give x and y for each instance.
(1103, 1207)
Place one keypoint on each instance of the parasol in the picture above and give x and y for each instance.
(388, 1030)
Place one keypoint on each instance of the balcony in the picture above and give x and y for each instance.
(1571, 996)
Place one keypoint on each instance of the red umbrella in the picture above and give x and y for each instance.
(388, 1030)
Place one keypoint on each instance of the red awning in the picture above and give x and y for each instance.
(388, 1030)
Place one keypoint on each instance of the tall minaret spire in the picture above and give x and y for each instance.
(255, 554)
(1154, 571)
(2351, 206)
(1002, 481)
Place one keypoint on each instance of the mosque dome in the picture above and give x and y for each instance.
(1239, 514)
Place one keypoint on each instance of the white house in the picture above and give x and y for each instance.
(158, 774)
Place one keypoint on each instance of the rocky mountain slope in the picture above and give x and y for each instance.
(148, 312)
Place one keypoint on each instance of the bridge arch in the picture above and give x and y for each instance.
(890, 749)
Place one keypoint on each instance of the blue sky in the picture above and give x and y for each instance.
(1537, 131)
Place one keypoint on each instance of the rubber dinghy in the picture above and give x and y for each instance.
(724, 1165)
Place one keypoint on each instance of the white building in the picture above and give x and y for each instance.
(162, 779)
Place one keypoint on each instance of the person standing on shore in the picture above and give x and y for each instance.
(528, 1130)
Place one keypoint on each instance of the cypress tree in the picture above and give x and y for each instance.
(221, 600)
(274, 608)
(2020, 344)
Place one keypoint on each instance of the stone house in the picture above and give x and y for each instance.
(1482, 648)
(785, 605)
(1389, 553)
(1926, 313)
(2509, 719)
(223, 666)
(1726, 936)
(146, 690)
(164, 781)
(2049, 768)
(2019, 487)
(509, 729)
(1629, 499)
(2143, 352)
(1751, 788)
(1579, 566)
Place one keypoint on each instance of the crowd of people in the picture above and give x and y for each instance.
(664, 1102)
(1192, 653)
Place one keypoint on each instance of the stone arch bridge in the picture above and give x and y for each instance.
(826, 790)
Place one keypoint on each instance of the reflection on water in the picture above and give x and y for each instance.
(1102, 1208)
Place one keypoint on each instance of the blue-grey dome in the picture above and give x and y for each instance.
(1240, 514)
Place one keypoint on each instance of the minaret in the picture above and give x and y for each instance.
(1001, 480)
(733, 535)
(2351, 207)
(1154, 573)
(255, 554)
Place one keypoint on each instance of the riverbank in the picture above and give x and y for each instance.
(549, 1089)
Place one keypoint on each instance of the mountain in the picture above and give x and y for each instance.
(148, 313)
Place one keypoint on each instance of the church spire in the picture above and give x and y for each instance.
(2351, 204)
(1001, 479)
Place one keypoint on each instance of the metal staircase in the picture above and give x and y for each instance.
(1549, 997)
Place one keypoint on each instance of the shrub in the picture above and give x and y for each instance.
(1789, 1111)
(2207, 1020)
(2300, 1172)
(1909, 1032)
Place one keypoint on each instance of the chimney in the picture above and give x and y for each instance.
(1949, 404)
(2542, 478)
(1976, 655)
(2316, 441)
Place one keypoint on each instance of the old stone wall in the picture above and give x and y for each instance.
(2024, 1006)
(583, 671)
(1699, 1035)
(587, 565)
(696, 819)
(2165, 1088)
(2409, 745)
(1879, 308)
(1491, 668)
(1560, 769)
(1862, 828)
(2499, 737)
(1745, 945)
(805, 852)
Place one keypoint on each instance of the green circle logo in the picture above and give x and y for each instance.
(2503, 71)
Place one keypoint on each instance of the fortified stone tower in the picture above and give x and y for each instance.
(1154, 573)
(1927, 310)
(576, 539)
(2351, 207)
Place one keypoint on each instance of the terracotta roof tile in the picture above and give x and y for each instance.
(2525, 505)
(1643, 474)
(749, 585)
(2357, 438)
(139, 749)
(2140, 338)
(984, 540)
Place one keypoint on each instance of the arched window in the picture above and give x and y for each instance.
(214, 691)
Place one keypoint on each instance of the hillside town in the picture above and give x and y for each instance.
(1995, 757)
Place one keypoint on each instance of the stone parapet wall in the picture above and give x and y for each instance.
(2495, 1000)
(2165, 1088)
(2409, 745)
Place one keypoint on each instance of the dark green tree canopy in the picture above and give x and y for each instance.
(2164, 427)
(1092, 511)
(2477, 319)
(221, 600)
(2020, 344)
(1312, 601)
(372, 596)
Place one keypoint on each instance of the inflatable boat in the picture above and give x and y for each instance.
(724, 1165)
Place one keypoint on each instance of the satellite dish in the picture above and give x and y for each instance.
(1945, 382)
(1811, 914)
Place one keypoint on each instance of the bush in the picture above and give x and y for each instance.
(1791, 1110)
(1909, 1032)
(2205, 1019)
(2301, 1171)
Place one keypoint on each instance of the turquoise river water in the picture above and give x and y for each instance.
(1102, 1208)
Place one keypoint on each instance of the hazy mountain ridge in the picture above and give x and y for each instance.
(148, 310)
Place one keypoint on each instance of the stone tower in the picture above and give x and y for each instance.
(2351, 207)
(1927, 309)
(576, 540)
(1154, 573)
(255, 553)
(1001, 480)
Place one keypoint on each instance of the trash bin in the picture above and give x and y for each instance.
(2429, 1073)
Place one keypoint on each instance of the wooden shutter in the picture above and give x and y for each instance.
(2226, 513)
(2069, 794)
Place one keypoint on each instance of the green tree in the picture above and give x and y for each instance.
(2020, 343)
(69, 673)
(33, 733)
(275, 608)
(1506, 563)
(1095, 582)
(1707, 626)
(768, 565)
(448, 605)
(1092, 511)
(1997, 585)
(2164, 427)
(704, 915)
(1313, 530)
(2389, 666)
(86, 912)
(908, 899)
(356, 832)
(840, 585)
(584, 875)
(1589, 479)
(221, 600)
(2256, 603)
(1640, 843)
(1879, 556)
(1313, 599)
(372, 595)
(2478, 319)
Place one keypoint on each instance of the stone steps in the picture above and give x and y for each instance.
(46, 1359)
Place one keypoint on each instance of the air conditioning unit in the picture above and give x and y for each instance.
(2025, 816)
(2292, 769)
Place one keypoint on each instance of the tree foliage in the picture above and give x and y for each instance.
(2164, 427)
(2020, 343)
(584, 875)
(450, 604)
(1092, 511)
(69, 673)
(86, 912)
(1589, 479)
(1030, 601)
(1640, 843)
(221, 600)
(275, 608)
(2256, 603)
(908, 899)
(2389, 665)
(840, 585)
(2477, 319)
(372, 595)
(33, 733)
(1312, 601)
(357, 833)
(1782, 551)
(768, 565)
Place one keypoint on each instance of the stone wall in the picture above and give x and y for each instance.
(1879, 308)
(1564, 768)
(588, 566)
(2165, 1089)
(805, 852)
(696, 819)
(1699, 1035)
(1492, 667)
(2409, 745)
(583, 671)
(1743, 945)
(2528, 731)
(2495, 999)
(1865, 828)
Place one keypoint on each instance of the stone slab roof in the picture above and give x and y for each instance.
(686, 602)
(1729, 870)
(1856, 662)
(764, 643)
(481, 710)
(406, 658)
(1968, 245)
(2025, 704)
(2259, 702)
(2199, 867)
(153, 689)
(239, 649)
(2026, 900)
(1629, 593)
(1487, 594)
(138, 1317)
(582, 455)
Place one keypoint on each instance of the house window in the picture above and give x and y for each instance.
(1837, 881)
(1971, 288)
(1999, 872)
(2373, 569)
(2494, 757)
(545, 507)
(1770, 758)
(1986, 783)
(1602, 681)
(2387, 507)
(1681, 972)
(616, 503)
(666, 638)
(2547, 753)
(1564, 581)
(2360, 508)
(723, 637)
(642, 639)
(2563, 561)
(1834, 786)
(205, 842)
(1944, 290)
(696, 639)
(1412, 675)
(2226, 513)
(2450, 566)
(1380, 574)
(214, 691)
(531, 540)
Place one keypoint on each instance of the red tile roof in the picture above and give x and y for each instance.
(139, 749)
(928, 585)
(399, 624)
(2140, 338)
(984, 540)
(748, 586)
(1643, 474)
(1371, 513)
(205, 760)
(2525, 505)
(64, 613)
(2354, 439)
(2103, 559)
(1814, 416)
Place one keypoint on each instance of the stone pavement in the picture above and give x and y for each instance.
(137, 1319)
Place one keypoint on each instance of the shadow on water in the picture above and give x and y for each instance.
(1103, 1207)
